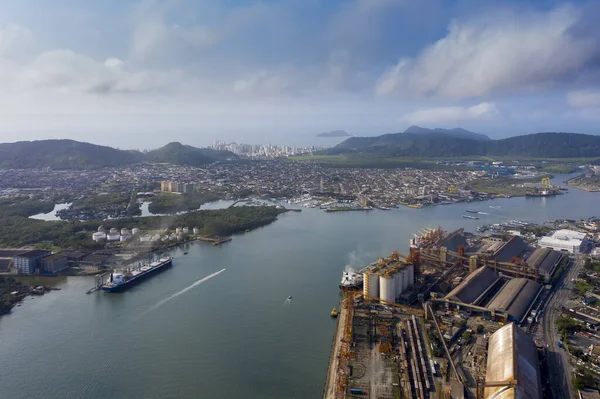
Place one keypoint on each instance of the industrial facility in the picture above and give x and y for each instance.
(564, 240)
(388, 278)
(513, 369)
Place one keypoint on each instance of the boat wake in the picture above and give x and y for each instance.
(183, 291)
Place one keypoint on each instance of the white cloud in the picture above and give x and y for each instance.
(584, 99)
(482, 111)
(498, 53)
(15, 41)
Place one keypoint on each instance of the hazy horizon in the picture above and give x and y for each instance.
(142, 73)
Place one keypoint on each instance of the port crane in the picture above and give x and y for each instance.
(546, 182)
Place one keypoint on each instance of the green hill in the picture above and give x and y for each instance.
(539, 145)
(70, 154)
(63, 154)
(179, 154)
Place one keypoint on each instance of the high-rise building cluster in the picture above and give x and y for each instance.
(264, 151)
(176, 187)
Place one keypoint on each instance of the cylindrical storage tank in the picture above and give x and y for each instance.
(196, 230)
(113, 236)
(373, 285)
(113, 230)
(404, 284)
(173, 236)
(99, 236)
(178, 230)
(411, 274)
(186, 230)
(387, 290)
(135, 231)
(399, 281)
(125, 232)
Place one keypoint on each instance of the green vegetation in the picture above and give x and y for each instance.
(563, 265)
(24, 206)
(584, 378)
(583, 287)
(377, 162)
(70, 154)
(479, 328)
(567, 326)
(434, 339)
(466, 336)
(8, 286)
(540, 145)
(538, 231)
(591, 265)
(173, 203)
(17, 231)
(179, 154)
(502, 186)
(559, 169)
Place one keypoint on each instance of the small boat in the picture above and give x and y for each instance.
(334, 313)
(471, 211)
(470, 217)
(185, 253)
(289, 297)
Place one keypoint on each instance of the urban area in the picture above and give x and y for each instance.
(513, 313)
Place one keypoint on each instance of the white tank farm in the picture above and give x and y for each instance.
(99, 236)
(145, 238)
(113, 230)
(373, 285)
(135, 231)
(387, 290)
(186, 230)
(196, 230)
(178, 230)
(113, 236)
(125, 232)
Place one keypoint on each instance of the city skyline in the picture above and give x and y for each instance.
(284, 71)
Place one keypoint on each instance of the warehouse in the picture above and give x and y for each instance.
(515, 298)
(513, 369)
(546, 261)
(474, 286)
(564, 240)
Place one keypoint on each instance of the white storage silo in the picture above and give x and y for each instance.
(178, 230)
(173, 237)
(186, 230)
(125, 232)
(113, 230)
(135, 231)
(99, 236)
(399, 277)
(387, 290)
(113, 236)
(373, 285)
(411, 274)
(145, 238)
(196, 230)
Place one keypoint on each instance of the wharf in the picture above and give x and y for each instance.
(330, 390)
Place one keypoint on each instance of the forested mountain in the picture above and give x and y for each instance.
(70, 154)
(179, 154)
(539, 145)
(456, 132)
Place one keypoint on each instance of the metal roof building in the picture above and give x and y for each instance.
(474, 286)
(515, 298)
(512, 365)
(546, 261)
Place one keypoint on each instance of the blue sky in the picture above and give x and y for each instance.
(137, 74)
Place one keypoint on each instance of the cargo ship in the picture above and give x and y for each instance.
(351, 281)
(121, 281)
(471, 211)
(543, 193)
(470, 217)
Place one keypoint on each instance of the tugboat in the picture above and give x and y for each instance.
(334, 313)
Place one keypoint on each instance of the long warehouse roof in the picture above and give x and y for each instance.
(515, 297)
(474, 285)
(544, 259)
(513, 359)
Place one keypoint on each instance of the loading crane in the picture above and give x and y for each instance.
(546, 182)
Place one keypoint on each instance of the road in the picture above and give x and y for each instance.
(558, 359)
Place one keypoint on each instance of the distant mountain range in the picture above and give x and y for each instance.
(334, 133)
(420, 142)
(70, 154)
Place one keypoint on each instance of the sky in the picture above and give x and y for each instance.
(139, 74)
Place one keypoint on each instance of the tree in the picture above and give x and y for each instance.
(479, 328)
